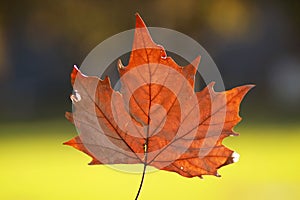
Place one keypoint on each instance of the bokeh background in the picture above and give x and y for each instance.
(250, 41)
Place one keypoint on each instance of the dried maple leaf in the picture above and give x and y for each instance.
(156, 119)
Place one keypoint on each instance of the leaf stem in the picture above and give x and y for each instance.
(142, 180)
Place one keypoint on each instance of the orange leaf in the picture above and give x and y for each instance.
(156, 119)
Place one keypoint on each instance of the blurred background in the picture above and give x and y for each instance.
(250, 41)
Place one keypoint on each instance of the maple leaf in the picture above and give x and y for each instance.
(156, 118)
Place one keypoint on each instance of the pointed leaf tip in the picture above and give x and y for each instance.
(196, 61)
(74, 74)
(139, 21)
(120, 65)
(69, 116)
(251, 86)
(69, 143)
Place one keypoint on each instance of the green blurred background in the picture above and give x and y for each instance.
(250, 41)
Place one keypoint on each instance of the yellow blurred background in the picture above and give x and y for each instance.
(251, 42)
(35, 165)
